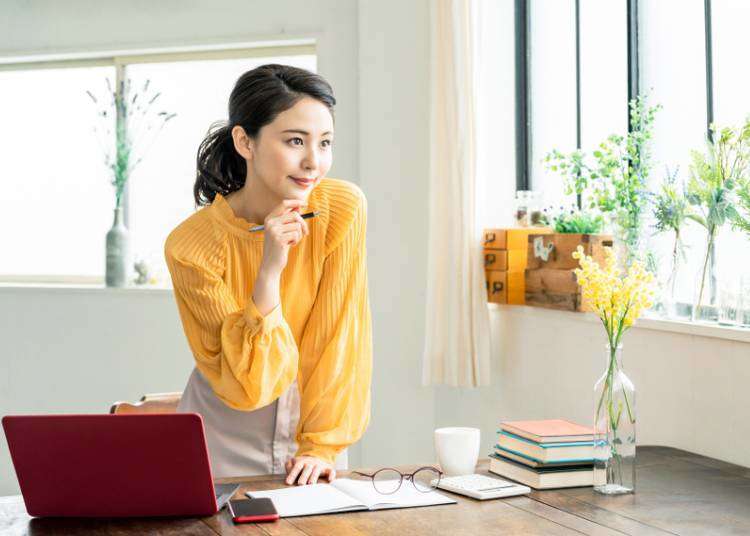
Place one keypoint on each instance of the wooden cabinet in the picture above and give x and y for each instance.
(505, 258)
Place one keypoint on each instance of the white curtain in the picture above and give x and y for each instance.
(457, 339)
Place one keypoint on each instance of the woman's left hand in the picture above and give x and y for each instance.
(308, 469)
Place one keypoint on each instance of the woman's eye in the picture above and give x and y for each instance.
(326, 143)
(293, 140)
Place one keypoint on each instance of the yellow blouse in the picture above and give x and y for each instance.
(320, 334)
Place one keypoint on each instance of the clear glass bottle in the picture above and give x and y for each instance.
(614, 429)
(706, 297)
(527, 211)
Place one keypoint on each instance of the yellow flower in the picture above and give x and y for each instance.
(618, 299)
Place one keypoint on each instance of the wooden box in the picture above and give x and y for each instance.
(549, 277)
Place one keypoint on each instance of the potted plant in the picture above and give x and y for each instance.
(127, 123)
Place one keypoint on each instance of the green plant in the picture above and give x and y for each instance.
(573, 167)
(671, 211)
(576, 221)
(718, 184)
(621, 173)
(613, 179)
(136, 126)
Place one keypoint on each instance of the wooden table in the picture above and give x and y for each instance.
(677, 493)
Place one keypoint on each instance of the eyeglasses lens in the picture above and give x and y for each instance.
(387, 481)
(426, 479)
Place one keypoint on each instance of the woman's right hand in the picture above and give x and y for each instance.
(284, 228)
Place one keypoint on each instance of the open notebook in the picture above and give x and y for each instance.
(345, 495)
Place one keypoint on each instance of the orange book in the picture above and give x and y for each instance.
(549, 431)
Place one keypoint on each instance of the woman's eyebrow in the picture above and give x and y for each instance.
(304, 132)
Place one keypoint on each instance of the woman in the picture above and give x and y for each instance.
(278, 320)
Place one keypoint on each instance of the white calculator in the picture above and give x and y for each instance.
(481, 486)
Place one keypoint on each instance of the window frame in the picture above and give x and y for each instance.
(120, 61)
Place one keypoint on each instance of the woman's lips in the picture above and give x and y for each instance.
(303, 181)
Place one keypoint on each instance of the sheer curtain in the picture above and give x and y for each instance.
(457, 339)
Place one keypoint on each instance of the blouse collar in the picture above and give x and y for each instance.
(238, 226)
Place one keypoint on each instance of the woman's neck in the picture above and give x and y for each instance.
(253, 201)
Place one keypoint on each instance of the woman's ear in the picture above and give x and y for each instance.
(242, 142)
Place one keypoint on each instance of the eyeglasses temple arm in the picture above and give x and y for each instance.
(361, 473)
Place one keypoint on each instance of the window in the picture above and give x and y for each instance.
(57, 198)
(578, 89)
(601, 62)
(673, 72)
(552, 91)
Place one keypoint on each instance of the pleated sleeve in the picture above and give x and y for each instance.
(248, 359)
(336, 346)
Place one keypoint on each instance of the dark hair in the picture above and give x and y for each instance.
(258, 97)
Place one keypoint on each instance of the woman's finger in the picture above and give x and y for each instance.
(285, 206)
(303, 480)
(292, 476)
(316, 474)
(331, 474)
(289, 217)
(292, 238)
(289, 227)
(302, 222)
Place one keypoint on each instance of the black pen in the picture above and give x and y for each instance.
(305, 216)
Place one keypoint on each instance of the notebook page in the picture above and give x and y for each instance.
(309, 500)
(405, 497)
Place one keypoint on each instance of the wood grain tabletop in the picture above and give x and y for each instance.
(677, 493)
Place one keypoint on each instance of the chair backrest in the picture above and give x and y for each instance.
(150, 403)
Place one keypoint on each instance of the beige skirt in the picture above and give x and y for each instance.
(246, 443)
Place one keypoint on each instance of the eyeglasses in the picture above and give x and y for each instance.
(388, 481)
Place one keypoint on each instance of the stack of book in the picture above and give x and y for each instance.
(545, 454)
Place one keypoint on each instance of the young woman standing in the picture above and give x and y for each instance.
(278, 320)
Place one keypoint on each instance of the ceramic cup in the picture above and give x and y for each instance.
(457, 450)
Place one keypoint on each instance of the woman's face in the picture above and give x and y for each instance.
(294, 152)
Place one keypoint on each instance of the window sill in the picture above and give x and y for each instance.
(656, 324)
(62, 288)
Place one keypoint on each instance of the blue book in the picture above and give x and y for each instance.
(533, 462)
(535, 454)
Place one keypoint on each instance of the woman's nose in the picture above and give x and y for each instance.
(311, 159)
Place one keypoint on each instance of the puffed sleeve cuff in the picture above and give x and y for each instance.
(325, 453)
(266, 324)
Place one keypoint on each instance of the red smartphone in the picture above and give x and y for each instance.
(252, 510)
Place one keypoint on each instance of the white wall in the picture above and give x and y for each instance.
(692, 391)
(394, 150)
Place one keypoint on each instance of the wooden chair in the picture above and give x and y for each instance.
(150, 403)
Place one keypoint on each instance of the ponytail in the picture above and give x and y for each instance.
(220, 168)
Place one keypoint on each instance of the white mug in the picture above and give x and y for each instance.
(457, 450)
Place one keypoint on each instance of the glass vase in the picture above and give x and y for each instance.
(705, 304)
(117, 252)
(670, 303)
(614, 428)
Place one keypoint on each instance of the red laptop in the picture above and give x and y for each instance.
(113, 465)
